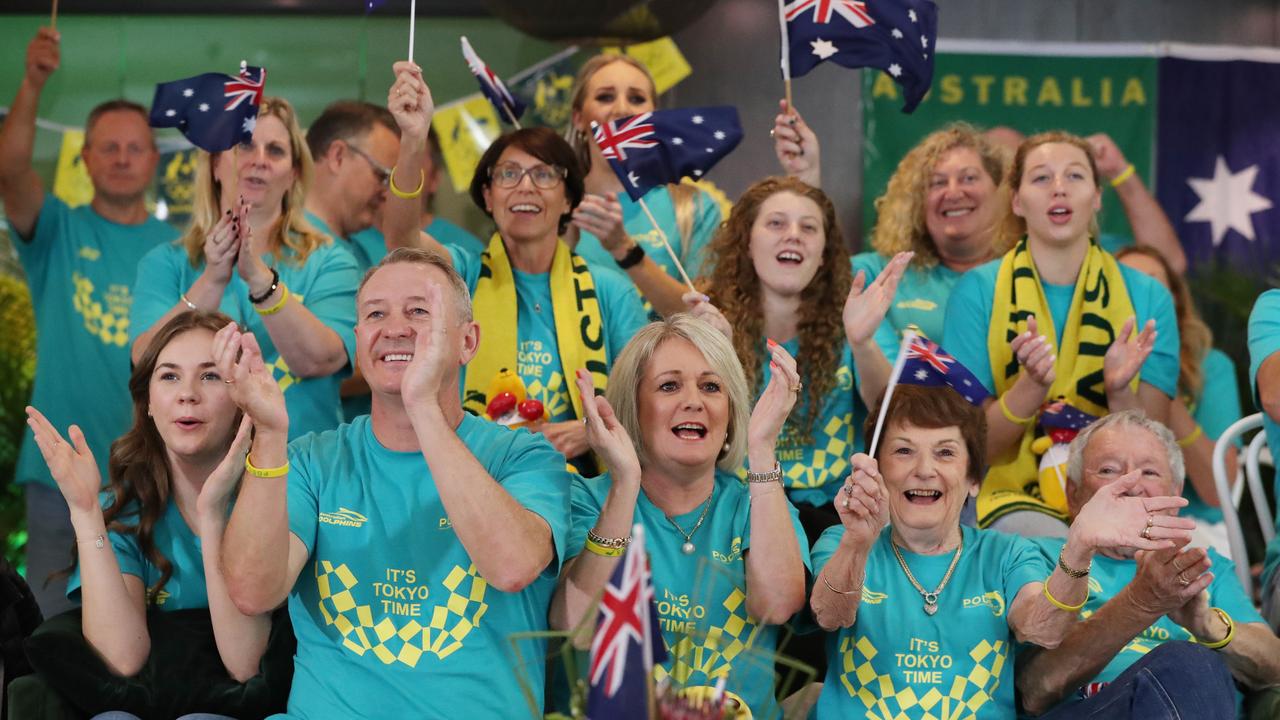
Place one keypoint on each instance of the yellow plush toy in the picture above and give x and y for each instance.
(509, 405)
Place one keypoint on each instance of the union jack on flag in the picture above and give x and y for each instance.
(214, 111)
(633, 133)
(245, 87)
(823, 10)
(627, 642)
(663, 146)
(509, 107)
(928, 364)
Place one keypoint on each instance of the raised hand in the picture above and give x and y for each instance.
(1111, 162)
(779, 397)
(249, 381)
(601, 215)
(420, 385)
(605, 434)
(1035, 354)
(863, 502)
(796, 145)
(249, 264)
(1126, 355)
(410, 101)
(1114, 519)
(700, 307)
(71, 464)
(211, 505)
(43, 56)
(221, 246)
(866, 305)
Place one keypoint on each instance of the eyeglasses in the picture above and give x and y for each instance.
(509, 175)
(379, 171)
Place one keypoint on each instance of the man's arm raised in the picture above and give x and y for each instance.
(19, 184)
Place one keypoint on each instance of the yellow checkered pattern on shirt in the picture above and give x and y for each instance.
(448, 624)
(830, 460)
(960, 698)
(553, 395)
(112, 328)
(713, 654)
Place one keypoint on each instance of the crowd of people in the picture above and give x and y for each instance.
(432, 448)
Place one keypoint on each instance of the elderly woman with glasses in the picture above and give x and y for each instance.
(543, 311)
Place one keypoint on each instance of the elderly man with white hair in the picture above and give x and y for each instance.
(1163, 634)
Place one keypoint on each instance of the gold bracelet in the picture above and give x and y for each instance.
(422, 182)
(857, 590)
(774, 475)
(1061, 605)
(1070, 571)
(1231, 631)
(187, 302)
(618, 542)
(1192, 437)
(274, 472)
(1118, 180)
(1008, 414)
(603, 550)
(284, 298)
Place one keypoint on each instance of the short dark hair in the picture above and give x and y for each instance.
(936, 407)
(118, 105)
(346, 119)
(544, 144)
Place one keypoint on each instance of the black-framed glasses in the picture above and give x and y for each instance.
(380, 171)
(509, 175)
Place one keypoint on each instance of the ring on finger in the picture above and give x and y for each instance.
(1183, 581)
(1146, 533)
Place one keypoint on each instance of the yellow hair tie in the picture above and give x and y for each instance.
(1192, 437)
(1231, 631)
(274, 472)
(1118, 180)
(284, 298)
(422, 182)
(1061, 605)
(1008, 414)
(604, 550)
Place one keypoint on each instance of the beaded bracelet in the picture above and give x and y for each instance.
(1061, 605)
(422, 182)
(274, 472)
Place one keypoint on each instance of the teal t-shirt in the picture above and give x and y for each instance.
(452, 235)
(369, 246)
(185, 589)
(80, 269)
(1264, 340)
(1109, 576)
(921, 299)
(538, 353)
(896, 661)
(701, 598)
(325, 284)
(1217, 407)
(391, 616)
(968, 317)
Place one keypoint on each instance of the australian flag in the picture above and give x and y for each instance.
(925, 363)
(1219, 171)
(660, 147)
(215, 112)
(896, 36)
(1061, 420)
(627, 642)
(509, 107)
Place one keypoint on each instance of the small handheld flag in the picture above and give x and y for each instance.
(924, 362)
(216, 112)
(508, 106)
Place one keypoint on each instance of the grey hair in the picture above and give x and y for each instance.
(1128, 418)
(419, 256)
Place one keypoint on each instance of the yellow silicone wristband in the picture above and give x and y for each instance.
(1231, 630)
(284, 298)
(604, 550)
(274, 472)
(1008, 415)
(1061, 605)
(422, 182)
(1191, 437)
(1128, 172)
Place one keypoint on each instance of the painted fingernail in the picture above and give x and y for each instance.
(773, 365)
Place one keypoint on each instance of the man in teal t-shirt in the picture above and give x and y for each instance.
(80, 264)
(1264, 376)
(414, 545)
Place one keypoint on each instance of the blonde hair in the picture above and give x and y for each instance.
(422, 256)
(293, 230)
(900, 211)
(1193, 333)
(576, 136)
(1015, 227)
(625, 381)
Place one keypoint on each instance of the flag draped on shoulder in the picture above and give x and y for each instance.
(896, 36)
(509, 107)
(627, 641)
(214, 111)
(663, 146)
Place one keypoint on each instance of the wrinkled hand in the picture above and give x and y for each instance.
(779, 397)
(601, 215)
(420, 385)
(1126, 355)
(866, 305)
(221, 248)
(1196, 616)
(863, 502)
(605, 434)
(1114, 519)
(700, 307)
(211, 504)
(44, 54)
(1035, 354)
(71, 463)
(568, 437)
(1111, 162)
(410, 101)
(249, 382)
(1157, 587)
(796, 145)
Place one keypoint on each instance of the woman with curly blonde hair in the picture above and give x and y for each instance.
(251, 254)
(779, 269)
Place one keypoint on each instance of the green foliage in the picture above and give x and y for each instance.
(17, 371)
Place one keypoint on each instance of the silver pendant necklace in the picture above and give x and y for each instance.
(930, 598)
(688, 547)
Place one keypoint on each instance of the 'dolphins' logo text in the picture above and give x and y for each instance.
(344, 517)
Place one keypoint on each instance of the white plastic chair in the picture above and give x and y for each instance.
(1252, 458)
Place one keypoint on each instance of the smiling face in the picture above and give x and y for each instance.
(683, 407)
(787, 240)
(926, 474)
(1117, 450)
(526, 212)
(189, 403)
(266, 166)
(962, 204)
(1058, 195)
(615, 91)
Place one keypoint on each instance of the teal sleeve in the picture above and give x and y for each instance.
(623, 312)
(36, 252)
(706, 223)
(1219, 403)
(585, 508)
(467, 264)
(303, 501)
(332, 297)
(967, 319)
(1025, 563)
(825, 547)
(1225, 591)
(540, 484)
(1154, 302)
(1264, 335)
(157, 287)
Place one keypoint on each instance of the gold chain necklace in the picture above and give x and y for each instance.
(930, 598)
(688, 547)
